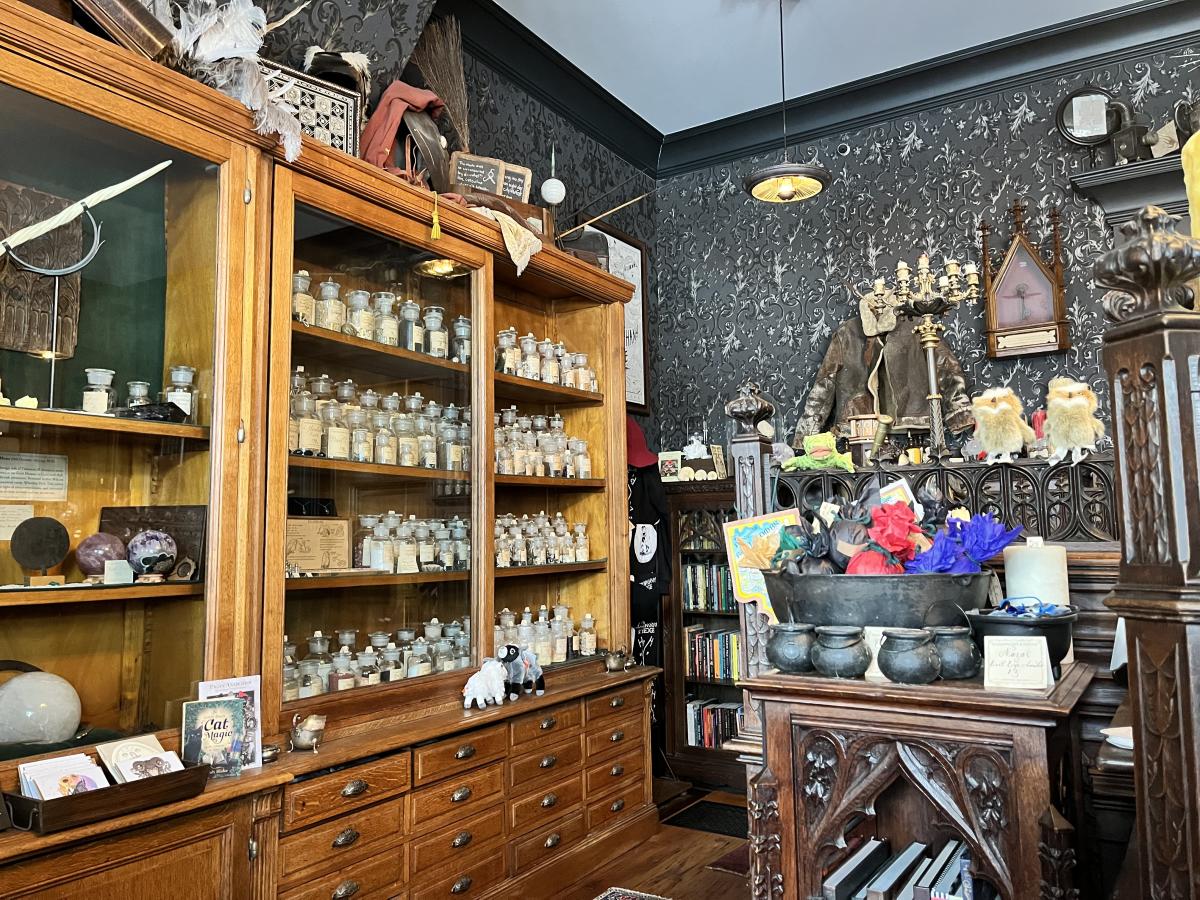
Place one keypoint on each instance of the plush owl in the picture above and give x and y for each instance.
(1071, 423)
(1000, 426)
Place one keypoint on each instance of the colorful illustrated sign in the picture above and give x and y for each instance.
(750, 544)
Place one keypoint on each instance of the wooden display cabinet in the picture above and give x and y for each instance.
(164, 289)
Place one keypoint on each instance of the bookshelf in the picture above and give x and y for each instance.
(702, 639)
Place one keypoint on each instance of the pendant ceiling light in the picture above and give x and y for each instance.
(786, 182)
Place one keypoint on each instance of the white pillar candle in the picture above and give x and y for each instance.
(1034, 569)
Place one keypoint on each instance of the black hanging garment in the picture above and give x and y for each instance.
(649, 577)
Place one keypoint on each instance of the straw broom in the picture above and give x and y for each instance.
(439, 56)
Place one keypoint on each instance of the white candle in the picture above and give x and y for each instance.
(923, 263)
(944, 281)
(1037, 570)
(970, 268)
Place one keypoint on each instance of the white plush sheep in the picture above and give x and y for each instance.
(485, 686)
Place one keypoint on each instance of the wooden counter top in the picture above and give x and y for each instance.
(16, 844)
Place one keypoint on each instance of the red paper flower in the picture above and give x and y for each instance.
(872, 562)
(894, 528)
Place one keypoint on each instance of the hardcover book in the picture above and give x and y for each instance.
(213, 734)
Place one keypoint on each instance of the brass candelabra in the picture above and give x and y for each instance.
(928, 297)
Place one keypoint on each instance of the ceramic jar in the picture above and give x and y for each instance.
(840, 651)
(790, 647)
(908, 656)
(959, 655)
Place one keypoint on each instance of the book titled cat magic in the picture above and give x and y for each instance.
(213, 733)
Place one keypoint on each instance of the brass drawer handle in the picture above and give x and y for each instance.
(346, 838)
(462, 885)
(616, 702)
(548, 761)
(344, 890)
(466, 751)
(618, 805)
(460, 794)
(553, 841)
(549, 800)
(548, 723)
(461, 839)
(354, 788)
(617, 770)
(617, 735)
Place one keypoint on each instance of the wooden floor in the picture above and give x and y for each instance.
(671, 864)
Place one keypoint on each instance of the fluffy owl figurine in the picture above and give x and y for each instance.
(1071, 423)
(1000, 426)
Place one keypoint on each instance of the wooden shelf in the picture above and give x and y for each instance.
(339, 351)
(595, 565)
(725, 613)
(723, 682)
(337, 582)
(357, 470)
(99, 593)
(136, 428)
(510, 387)
(554, 484)
(711, 552)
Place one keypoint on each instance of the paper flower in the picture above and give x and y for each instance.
(945, 555)
(894, 527)
(873, 562)
(982, 537)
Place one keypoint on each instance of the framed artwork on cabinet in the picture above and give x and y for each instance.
(629, 259)
(1024, 297)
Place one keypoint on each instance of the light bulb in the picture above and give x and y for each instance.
(553, 191)
(787, 190)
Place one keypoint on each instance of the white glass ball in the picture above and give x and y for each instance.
(37, 707)
(553, 191)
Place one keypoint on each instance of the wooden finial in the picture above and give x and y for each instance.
(1018, 214)
(986, 260)
(1058, 263)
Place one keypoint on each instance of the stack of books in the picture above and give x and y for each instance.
(711, 655)
(707, 587)
(710, 724)
(872, 871)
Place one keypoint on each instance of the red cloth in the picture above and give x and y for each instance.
(635, 445)
(379, 137)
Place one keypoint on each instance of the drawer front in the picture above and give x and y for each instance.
(547, 843)
(615, 703)
(459, 843)
(339, 792)
(472, 880)
(545, 764)
(604, 776)
(610, 736)
(458, 754)
(545, 727)
(546, 803)
(457, 798)
(377, 878)
(344, 839)
(615, 807)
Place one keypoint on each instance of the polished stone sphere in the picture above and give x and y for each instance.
(93, 552)
(152, 552)
(37, 707)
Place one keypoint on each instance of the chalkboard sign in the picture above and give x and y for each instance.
(478, 173)
(516, 183)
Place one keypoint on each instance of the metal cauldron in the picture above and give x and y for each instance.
(888, 601)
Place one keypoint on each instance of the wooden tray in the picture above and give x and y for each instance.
(46, 816)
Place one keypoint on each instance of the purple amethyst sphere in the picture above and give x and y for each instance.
(93, 552)
(152, 552)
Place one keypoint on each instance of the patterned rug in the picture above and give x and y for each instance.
(623, 894)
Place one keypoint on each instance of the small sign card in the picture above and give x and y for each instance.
(1016, 663)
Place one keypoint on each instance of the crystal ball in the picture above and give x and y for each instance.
(152, 552)
(93, 552)
(37, 707)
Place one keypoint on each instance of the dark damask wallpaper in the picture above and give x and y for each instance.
(748, 291)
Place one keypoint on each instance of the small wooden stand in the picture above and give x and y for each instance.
(929, 762)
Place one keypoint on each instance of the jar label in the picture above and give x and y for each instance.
(419, 669)
(437, 343)
(363, 448)
(385, 454)
(331, 314)
(363, 321)
(309, 435)
(426, 553)
(569, 378)
(418, 338)
(512, 360)
(303, 307)
(406, 559)
(337, 443)
(293, 435)
(583, 466)
(182, 399)
(503, 559)
(550, 371)
(387, 331)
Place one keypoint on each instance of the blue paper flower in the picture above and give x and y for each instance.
(945, 555)
(982, 537)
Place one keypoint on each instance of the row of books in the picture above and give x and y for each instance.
(707, 587)
(710, 654)
(710, 724)
(874, 872)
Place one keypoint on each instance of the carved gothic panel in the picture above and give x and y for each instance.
(1137, 413)
(766, 866)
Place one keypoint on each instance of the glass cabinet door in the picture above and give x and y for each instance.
(370, 472)
(111, 390)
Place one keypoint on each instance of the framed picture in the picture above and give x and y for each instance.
(628, 259)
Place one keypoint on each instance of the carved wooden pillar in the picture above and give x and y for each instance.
(1152, 354)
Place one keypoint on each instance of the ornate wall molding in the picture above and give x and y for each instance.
(766, 864)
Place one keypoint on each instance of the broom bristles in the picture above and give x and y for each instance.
(439, 56)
